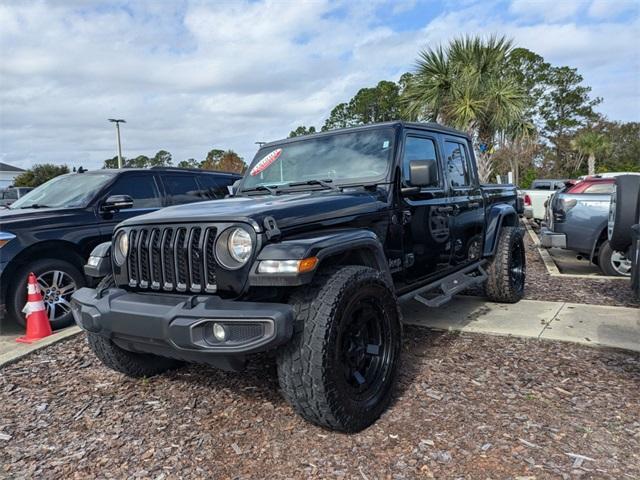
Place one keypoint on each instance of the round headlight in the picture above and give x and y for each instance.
(122, 248)
(234, 247)
(240, 245)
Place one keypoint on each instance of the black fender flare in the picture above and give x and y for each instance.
(99, 263)
(497, 216)
(321, 245)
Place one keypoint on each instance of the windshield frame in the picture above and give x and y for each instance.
(108, 178)
(271, 146)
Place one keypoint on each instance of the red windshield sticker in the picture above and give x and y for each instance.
(265, 162)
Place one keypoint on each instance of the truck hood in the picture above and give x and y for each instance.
(289, 209)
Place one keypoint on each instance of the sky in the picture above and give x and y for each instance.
(189, 76)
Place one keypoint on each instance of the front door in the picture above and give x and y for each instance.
(467, 217)
(427, 237)
(144, 191)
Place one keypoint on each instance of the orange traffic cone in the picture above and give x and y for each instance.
(38, 325)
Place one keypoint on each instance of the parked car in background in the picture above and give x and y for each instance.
(577, 219)
(535, 197)
(51, 230)
(11, 194)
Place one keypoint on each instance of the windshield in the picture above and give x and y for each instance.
(74, 190)
(343, 158)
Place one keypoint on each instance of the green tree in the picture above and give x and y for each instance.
(467, 85)
(565, 107)
(226, 161)
(302, 130)
(113, 162)
(39, 174)
(162, 158)
(623, 154)
(141, 161)
(377, 104)
(590, 144)
(189, 163)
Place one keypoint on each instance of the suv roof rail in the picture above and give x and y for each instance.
(201, 170)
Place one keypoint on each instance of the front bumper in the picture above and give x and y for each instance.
(549, 239)
(181, 326)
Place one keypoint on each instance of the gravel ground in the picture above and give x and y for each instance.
(467, 406)
(542, 286)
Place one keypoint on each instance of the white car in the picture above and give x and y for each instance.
(536, 197)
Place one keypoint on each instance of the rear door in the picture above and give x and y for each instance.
(466, 202)
(182, 188)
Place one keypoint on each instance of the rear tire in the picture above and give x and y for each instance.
(339, 369)
(132, 364)
(612, 262)
(507, 270)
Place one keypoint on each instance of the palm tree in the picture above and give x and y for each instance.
(465, 85)
(591, 144)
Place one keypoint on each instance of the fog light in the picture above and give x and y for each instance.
(219, 332)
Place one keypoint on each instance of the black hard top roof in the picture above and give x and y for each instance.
(427, 126)
(115, 171)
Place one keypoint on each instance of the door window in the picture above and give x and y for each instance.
(457, 164)
(599, 188)
(141, 188)
(214, 187)
(182, 188)
(417, 148)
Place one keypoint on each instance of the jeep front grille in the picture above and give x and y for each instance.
(172, 258)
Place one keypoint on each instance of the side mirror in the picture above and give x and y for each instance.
(114, 203)
(423, 173)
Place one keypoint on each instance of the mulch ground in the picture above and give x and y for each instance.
(467, 406)
(542, 286)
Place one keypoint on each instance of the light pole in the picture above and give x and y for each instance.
(118, 121)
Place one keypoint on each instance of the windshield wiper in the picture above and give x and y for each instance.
(323, 183)
(35, 205)
(271, 190)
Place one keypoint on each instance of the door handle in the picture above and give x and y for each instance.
(474, 204)
(447, 209)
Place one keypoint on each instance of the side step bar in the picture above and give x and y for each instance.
(440, 292)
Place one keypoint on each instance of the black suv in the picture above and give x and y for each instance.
(51, 230)
(326, 234)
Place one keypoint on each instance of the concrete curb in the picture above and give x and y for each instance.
(26, 349)
(551, 266)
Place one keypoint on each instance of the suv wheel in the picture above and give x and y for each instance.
(339, 369)
(507, 269)
(58, 280)
(613, 262)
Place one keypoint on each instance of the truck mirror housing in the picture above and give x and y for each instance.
(423, 173)
(114, 203)
(233, 189)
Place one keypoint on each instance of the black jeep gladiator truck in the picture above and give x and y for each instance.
(309, 260)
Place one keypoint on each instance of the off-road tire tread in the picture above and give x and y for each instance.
(301, 373)
(132, 364)
(499, 287)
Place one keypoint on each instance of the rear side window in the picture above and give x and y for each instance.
(141, 188)
(599, 188)
(457, 164)
(214, 187)
(182, 188)
(417, 148)
(541, 186)
(12, 194)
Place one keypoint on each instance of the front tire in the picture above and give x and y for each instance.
(131, 364)
(339, 369)
(58, 280)
(507, 270)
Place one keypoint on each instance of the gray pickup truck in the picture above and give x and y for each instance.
(577, 219)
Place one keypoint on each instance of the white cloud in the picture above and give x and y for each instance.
(201, 75)
(550, 10)
(612, 8)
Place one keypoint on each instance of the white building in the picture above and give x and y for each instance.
(7, 174)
